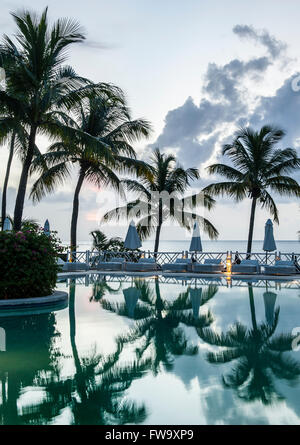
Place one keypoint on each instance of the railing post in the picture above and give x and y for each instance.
(87, 257)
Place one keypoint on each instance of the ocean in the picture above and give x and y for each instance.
(210, 246)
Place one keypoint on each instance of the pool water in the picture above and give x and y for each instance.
(155, 351)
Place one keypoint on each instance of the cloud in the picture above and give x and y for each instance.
(92, 44)
(281, 109)
(196, 131)
(274, 46)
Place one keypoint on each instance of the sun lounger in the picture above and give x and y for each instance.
(281, 268)
(246, 267)
(180, 265)
(210, 265)
(74, 266)
(113, 264)
(61, 264)
(143, 265)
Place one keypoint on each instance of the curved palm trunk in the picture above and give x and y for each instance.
(251, 226)
(75, 212)
(19, 206)
(7, 173)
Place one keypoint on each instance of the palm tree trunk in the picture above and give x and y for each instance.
(19, 206)
(251, 226)
(158, 228)
(7, 173)
(75, 211)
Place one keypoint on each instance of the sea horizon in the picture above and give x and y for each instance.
(284, 246)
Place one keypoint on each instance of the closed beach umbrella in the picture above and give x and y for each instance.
(47, 228)
(131, 295)
(269, 242)
(196, 245)
(7, 225)
(195, 297)
(269, 300)
(132, 240)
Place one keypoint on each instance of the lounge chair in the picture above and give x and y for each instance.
(74, 266)
(281, 267)
(143, 265)
(61, 264)
(246, 267)
(210, 265)
(180, 265)
(113, 264)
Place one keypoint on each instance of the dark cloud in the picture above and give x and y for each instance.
(281, 109)
(274, 46)
(197, 130)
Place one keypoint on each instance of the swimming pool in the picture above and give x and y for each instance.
(155, 351)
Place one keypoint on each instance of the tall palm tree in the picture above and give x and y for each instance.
(39, 88)
(160, 193)
(100, 158)
(258, 356)
(258, 169)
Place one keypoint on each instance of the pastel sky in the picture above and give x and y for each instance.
(196, 69)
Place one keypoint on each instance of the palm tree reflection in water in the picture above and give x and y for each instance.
(95, 394)
(157, 325)
(99, 383)
(259, 355)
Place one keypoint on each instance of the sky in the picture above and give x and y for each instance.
(196, 70)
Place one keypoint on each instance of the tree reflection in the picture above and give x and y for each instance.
(29, 354)
(101, 288)
(157, 325)
(260, 356)
(96, 392)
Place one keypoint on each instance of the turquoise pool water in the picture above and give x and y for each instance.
(155, 352)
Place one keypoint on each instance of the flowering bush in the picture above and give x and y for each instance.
(28, 265)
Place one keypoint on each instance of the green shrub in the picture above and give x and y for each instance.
(28, 265)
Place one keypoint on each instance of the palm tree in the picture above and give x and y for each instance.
(101, 242)
(258, 357)
(160, 190)
(39, 88)
(158, 324)
(111, 130)
(258, 168)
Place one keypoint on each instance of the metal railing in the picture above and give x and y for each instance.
(91, 258)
